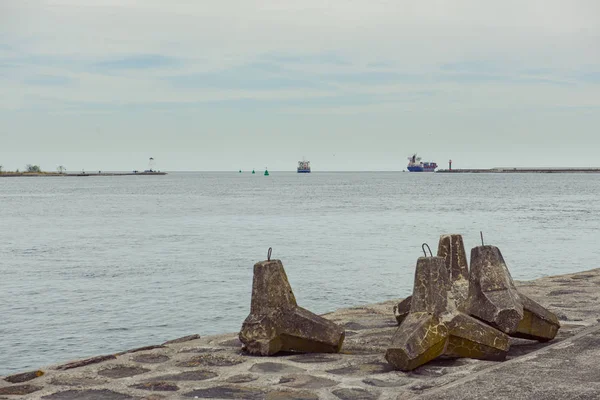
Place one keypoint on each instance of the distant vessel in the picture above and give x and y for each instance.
(303, 167)
(416, 165)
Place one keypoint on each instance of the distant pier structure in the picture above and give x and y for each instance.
(151, 169)
(151, 165)
(521, 170)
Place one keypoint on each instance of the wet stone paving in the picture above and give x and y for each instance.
(214, 367)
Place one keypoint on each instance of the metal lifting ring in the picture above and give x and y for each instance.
(423, 247)
(269, 254)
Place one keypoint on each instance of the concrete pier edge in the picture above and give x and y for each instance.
(445, 390)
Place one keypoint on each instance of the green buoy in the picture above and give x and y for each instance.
(266, 172)
(240, 171)
(253, 171)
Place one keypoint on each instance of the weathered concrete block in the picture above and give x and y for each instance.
(452, 249)
(537, 323)
(432, 285)
(270, 288)
(493, 297)
(276, 322)
(421, 338)
(469, 337)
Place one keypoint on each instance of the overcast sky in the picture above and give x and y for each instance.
(348, 84)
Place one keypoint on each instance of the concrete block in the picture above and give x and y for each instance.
(493, 297)
(276, 322)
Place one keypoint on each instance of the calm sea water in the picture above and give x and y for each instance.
(96, 265)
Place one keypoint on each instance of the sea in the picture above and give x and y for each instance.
(96, 265)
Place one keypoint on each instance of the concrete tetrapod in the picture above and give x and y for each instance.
(493, 298)
(422, 336)
(276, 322)
(435, 326)
(452, 249)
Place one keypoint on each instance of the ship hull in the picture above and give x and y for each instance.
(420, 169)
(304, 171)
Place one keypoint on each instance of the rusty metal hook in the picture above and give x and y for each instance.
(269, 254)
(423, 248)
(481, 234)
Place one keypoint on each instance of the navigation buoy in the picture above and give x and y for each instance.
(240, 171)
(253, 172)
(266, 172)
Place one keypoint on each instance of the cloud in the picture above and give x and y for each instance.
(48, 80)
(142, 61)
(589, 77)
(310, 55)
(405, 31)
(319, 58)
(252, 76)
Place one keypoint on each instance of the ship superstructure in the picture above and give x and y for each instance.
(303, 167)
(416, 165)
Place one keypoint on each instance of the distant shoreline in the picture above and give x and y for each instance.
(56, 174)
(441, 171)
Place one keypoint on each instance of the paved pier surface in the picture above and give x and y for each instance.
(214, 367)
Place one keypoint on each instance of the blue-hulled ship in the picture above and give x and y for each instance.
(303, 167)
(416, 165)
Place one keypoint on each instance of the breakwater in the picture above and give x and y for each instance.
(522, 170)
(51, 174)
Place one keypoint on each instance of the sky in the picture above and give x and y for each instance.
(348, 84)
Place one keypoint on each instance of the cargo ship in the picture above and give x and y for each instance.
(416, 165)
(303, 167)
